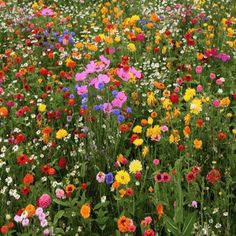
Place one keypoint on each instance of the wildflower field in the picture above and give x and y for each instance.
(118, 117)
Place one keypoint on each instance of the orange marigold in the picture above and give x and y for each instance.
(85, 211)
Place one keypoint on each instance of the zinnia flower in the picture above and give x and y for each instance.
(135, 166)
(122, 177)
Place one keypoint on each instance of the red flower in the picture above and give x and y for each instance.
(25, 190)
(22, 159)
(84, 186)
(62, 162)
(222, 135)
(213, 176)
(20, 138)
(191, 176)
(181, 147)
(174, 98)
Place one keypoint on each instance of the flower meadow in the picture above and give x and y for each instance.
(118, 117)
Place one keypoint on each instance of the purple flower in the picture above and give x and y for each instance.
(109, 178)
(107, 107)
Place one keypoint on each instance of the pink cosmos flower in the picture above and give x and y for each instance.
(119, 100)
(44, 201)
(107, 107)
(81, 76)
(102, 78)
(47, 12)
(105, 60)
(124, 75)
(82, 89)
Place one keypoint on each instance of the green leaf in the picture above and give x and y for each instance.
(188, 225)
(58, 216)
(59, 202)
(59, 231)
(83, 170)
(171, 226)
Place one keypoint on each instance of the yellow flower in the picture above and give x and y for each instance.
(117, 39)
(137, 129)
(131, 47)
(135, 166)
(122, 192)
(187, 119)
(167, 104)
(151, 100)
(145, 151)
(197, 143)
(153, 132)
(61, 133)
(122, 177)
(150, 120)
(196, 106)
(189, 93)
(42, 107)
(138, 142)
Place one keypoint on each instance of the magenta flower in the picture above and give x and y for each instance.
(44, 201)
(124, 75)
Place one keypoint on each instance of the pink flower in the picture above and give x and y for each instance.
(176, 90)
(60, 193)
(39, 211)
(25, 222)
(81, 76)
(100, 177)
(219, 82)
(148, 220)
(99, 80)
(44, 201)
(212, 76)
(198, 69)
(216, 103)
(104, 60)
(156, 162)
(47, 12)
(194, 204)
(179, 81)
(164, 128)
(124, 75)
(199, 88)
(82, 89)
(107, 107)
(119, 100)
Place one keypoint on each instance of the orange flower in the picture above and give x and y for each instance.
(116, 184)
(28, 179)
(47, 130)
(159, 85)
(85, 211)
(70, 188)
(124, 128)
(3, 112)
(153, 114)
(200, 56)
(30, 210)
(197, 143)
(123, 224)
(187, 131)
(144, 122)
(160, 210)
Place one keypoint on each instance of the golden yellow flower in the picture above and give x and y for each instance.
(135, 166)
(61, 133)
(122, 177)
(42, 107)
(137, 129)
(138, 142)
